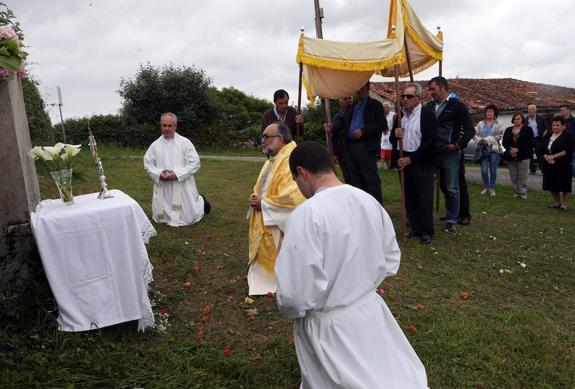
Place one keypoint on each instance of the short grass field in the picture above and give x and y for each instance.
(514, 264)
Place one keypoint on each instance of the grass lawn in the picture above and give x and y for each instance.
(516, 329)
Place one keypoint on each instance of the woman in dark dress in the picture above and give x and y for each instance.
(518, 144)
(557, 149)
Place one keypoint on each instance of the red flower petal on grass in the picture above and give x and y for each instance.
(411, 328)
(251, 317)
(464, 295)
(381, 291)
(196, 268)
(270, 294)
(453, 302)
(188, 285)
(207, 310)
(228, 352)
(418, 307)
(164, 311)
(206, 319)
(200, 335)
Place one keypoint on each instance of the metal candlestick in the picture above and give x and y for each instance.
(104, 193)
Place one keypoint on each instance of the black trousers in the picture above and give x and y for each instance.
(463, 191)
(361, 166)
(533, 162)
(419, 182)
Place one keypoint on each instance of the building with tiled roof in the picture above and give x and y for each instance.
(508, 94)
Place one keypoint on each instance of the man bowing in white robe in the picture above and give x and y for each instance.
(339, 246)
(171, 161)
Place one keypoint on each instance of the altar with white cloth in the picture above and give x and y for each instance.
(95, 259)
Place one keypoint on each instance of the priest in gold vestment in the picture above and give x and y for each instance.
(274, 197)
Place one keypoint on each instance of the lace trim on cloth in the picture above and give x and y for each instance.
(147, 320)
(148, 232)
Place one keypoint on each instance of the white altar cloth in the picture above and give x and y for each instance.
(95, 259)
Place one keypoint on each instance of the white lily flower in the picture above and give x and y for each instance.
(37, 152)
(54, 150)
(70, 151)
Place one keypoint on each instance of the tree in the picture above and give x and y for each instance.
(38, 119)
(182, 90)
(240, 111)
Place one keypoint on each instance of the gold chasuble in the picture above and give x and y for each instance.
(283, 195)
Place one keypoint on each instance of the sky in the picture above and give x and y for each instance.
(86, 47)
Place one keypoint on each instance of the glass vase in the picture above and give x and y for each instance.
(63, 180)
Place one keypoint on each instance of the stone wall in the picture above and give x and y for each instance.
(19, 194)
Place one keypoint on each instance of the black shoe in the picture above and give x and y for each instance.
(443, 218)
(424, 239)
(464, 221)
(207, 206)
(411, 234)
(450, 227)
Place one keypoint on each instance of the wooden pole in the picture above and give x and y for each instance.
(298, 125)
(400, 143)
(437, 177)
(407, 56)
(324, 102)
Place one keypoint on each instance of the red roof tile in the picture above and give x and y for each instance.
(507, 94)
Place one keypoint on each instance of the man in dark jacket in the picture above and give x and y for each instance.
(360, 132)
(565, 111)
(336, 138)
(418, 131)
(537, 124)
(282, 112)
(455, 130)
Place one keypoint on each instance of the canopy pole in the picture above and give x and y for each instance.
(324, 102)
(298, 125)
(400, 143)
(407, 56)
(437, 177)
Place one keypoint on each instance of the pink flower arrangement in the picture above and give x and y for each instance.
(11, 56)
(7, 32)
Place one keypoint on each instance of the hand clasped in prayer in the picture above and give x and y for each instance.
(168, 175)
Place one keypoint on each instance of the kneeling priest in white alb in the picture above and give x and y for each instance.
(339, 246)
(171, 161)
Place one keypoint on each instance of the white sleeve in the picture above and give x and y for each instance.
(299, 272)
(150, 165)
(275, 216)
(191, 163)
(391, 247)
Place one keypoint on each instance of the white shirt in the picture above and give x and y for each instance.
(411, 129)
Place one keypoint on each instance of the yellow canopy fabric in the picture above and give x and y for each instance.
(424, 48)
(334, 70)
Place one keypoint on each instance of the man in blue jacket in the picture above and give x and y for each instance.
(360, 132)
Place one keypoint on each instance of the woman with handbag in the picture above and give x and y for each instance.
(518, 143)
(488, 133)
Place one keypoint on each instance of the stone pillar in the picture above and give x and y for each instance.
(19, 194)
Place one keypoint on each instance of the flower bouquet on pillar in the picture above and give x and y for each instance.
(58, 160)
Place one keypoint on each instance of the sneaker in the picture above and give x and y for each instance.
(491, 192)
(484, 191)
(424, 239)
(523, 197)
(450, 227)
(464, 221)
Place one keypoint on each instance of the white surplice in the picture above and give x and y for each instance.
(339, 246)
(176, 203)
